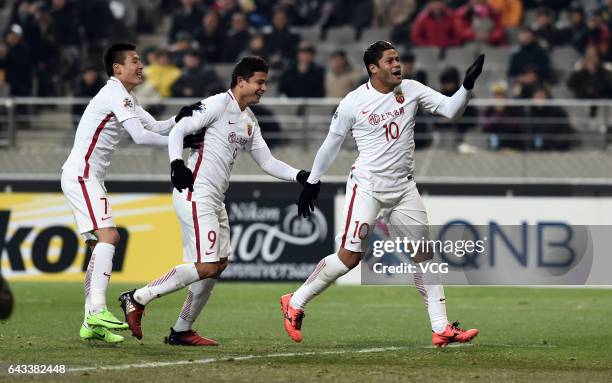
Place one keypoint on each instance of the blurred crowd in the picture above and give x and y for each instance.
(48, 42)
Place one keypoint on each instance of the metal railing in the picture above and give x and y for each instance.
(561, 124)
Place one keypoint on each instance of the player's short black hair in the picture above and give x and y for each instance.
(374, 52)
(247, 66)
(116, 55)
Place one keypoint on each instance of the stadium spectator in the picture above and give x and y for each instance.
(397, 15)
(529, 55)
(356, 13)
(237, 38)
(480, 22)
(503, 123)
(162, 73)
(556, 5)
(510, 11)
(340, 77)
(270, 128)
(18, 63)
(227, 9)
(599, 34)
(181, 46)
(5, 90)
(550, 128)
(97, 21)
(280, 42)
(410, 71)
(187, 18)
(196, 80)
(304, 78)
(89, 85)
(210, 37)
(257, 47)
(591, 79)
(45, 50)
(65, 24)
(450, 82)
(544, 29)
(434, 26)
(576, 33)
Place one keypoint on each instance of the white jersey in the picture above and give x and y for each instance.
(383, 128)
(228, 131)
(100, 129)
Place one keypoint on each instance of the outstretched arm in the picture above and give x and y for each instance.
(272, 166)
(325, 156)
(142, 136)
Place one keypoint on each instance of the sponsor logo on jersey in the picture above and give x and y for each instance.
(127, 103)
(232, 138)
(376, 118)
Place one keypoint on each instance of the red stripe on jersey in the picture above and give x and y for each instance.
(88, 203)
(348, 216)
(196, 227)
(94, 140)
(197, 165)
(230, 95)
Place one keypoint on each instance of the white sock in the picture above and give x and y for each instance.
(197, 297)
(175, 279)
(102, 262)
(327, 271)
(430, 287)
(87, 287)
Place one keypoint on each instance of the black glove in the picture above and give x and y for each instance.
(302, 176)
(187, 111)
(307, 196)
(472, 73)
(193, 141)
(181, 176)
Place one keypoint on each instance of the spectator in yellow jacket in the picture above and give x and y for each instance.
(162, 74)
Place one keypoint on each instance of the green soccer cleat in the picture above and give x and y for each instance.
(106, 319)
(99, 333)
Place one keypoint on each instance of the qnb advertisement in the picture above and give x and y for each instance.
(496, 241)
(38, 238)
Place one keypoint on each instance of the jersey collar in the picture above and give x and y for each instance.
(115, 79)
(370, 87)
(233, 102)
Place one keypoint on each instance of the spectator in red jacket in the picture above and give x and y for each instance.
(478, 21)
(434, 26)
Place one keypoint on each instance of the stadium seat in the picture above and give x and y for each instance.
(370, 35)
(341, 35)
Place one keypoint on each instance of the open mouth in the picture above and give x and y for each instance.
(397, 73)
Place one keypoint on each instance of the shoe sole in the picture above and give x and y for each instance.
(167, 341)
(456, 341)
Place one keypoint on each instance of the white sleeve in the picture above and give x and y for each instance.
(272, 166)
(452, 107)
(151, 124)
(142, 136)
(343, 119)
(208, 113)
(325, 156)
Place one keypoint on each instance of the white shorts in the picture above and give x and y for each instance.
(89, 203)
(403, 210)
(204, 229)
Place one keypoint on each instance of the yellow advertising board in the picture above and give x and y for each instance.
(39, 241)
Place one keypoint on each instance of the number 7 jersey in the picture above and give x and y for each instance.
(382, 125)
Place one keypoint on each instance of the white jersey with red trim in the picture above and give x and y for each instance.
(383, 128)
(228, 132)
(100, 130)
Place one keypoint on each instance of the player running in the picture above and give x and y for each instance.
(113, 110)
(380, 116)
(230, 128)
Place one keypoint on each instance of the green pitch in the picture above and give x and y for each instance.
(351, 334)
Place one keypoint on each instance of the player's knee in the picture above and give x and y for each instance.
(223, 265)
(108, 235)
(209, 270)
(350, 258)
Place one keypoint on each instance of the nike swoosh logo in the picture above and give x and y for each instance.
(105, 218)
(108, 321)
(353, 242)
(231, 123)
(207, 253)
(365, 111)
(108, 275)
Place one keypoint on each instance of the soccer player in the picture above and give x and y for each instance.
(113, 110)
(230, 127)
(380, 116)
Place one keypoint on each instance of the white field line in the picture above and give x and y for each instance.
(277, 355)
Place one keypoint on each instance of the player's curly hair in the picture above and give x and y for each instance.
(247, 66)
(374, 52)
(116, 55)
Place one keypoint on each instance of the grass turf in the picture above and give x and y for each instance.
(527, 334)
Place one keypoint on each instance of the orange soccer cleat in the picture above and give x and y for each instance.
(292, 318)
(452, 333)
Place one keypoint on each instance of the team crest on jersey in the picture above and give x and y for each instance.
(399, 97)
(127, 103)
(336, 115)
(249, 129)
